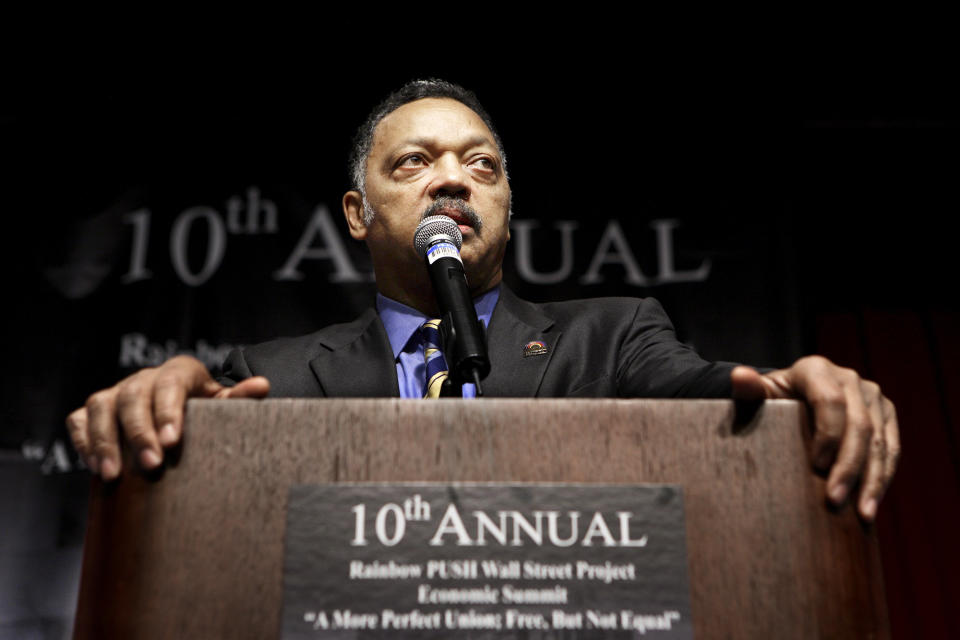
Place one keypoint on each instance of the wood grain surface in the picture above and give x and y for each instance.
(197, 550)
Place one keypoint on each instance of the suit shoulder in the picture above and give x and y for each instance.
(613, 309)
(309, 345)
(285, 347)
(283, 360)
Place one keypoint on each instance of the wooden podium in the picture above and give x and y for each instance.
(197, 551)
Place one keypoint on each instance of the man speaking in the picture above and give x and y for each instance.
(430, 149)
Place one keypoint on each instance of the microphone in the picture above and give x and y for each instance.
(438, 240)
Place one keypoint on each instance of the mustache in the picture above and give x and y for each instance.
(458, 205)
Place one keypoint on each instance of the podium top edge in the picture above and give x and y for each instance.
(717, 402)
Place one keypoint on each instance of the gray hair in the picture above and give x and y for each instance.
(410, 92)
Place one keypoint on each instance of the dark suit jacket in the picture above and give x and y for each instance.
(603, 347)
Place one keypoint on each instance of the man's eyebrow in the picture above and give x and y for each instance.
(475, 141)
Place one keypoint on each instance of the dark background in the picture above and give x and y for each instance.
(820, 184)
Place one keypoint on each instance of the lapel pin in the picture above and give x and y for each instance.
(535, 348)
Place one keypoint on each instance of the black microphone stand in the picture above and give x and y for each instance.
(452, 387)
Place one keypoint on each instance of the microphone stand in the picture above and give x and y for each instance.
(453, 386)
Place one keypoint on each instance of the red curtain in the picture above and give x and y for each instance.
(915, 357)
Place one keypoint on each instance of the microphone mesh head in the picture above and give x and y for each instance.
(434, 226)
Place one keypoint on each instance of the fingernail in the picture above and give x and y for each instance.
(869, 509)
(149, 459)
(93, 464)
(167, 435)
(108, 469)
(838, 493)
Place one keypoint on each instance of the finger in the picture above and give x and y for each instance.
(855, 446)
(891, 435)
(77, 428)
(874, 485)
(135, 413)
(178, 379)
(171, 398)
(747, 384)
(816, 379)
(255, 387)
(102, 429)
(872, 489)
(170, 394)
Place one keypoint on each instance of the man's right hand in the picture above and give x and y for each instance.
(148, 407)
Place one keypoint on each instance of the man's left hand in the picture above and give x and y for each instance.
(855, 438)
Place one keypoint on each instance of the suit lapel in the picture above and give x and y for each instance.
(515, 324)
(358, 362)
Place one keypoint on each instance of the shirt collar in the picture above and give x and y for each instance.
(402, 321)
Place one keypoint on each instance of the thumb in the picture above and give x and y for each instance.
(747, 383)
(255, 387)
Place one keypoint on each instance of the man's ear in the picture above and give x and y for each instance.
(353, 212)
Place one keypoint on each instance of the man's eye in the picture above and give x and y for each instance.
(484, 163)
(414, 160)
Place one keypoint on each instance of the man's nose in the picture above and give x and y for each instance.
(451, 178)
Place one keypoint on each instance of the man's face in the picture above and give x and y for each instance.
(429, 150)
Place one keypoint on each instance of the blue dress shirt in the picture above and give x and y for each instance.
(403, 329)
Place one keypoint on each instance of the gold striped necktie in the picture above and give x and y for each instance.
(433, 356)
